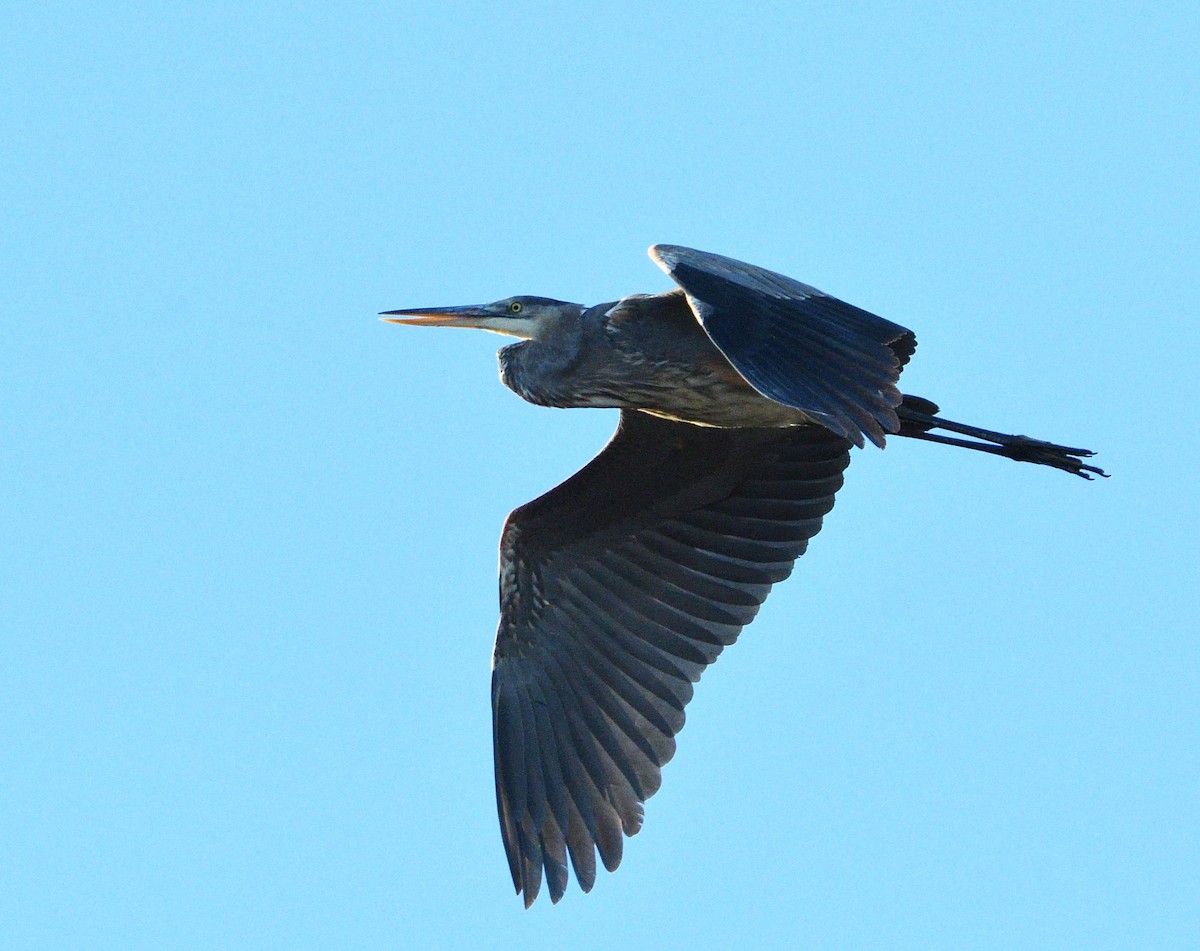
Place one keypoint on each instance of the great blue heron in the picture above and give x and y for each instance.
(740, 392)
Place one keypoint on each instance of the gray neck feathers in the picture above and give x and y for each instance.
(541, 370)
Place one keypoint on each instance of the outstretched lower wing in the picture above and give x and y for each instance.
(795, 344)
(617, 589)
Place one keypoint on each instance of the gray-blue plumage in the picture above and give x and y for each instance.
(741, 394)
(795, 344)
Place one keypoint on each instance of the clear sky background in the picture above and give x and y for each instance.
(247, 540)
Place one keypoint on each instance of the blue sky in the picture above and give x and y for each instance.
(248, 545)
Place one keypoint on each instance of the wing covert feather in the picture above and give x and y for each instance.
(795, 344)
(617, 589)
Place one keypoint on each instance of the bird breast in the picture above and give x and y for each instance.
(712, 393)
(695, 385)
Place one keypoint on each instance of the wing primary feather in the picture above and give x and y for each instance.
(549, 826)
(733, 570)
(616, 780)
(581, 826)
(554, 783)
(719, 634)
(581, 843)
(600, 826)
(606, 780)
(610, 716)
(684, 577)
(609, 841)
(677, 674)
(610, 645)
(587, 786)
(508, 819)
(701, 652)
(583, 641)
(511, 748)
(582, 789)
(531, 862)
(535, 786)
(554, 848)
(666, 697)
(669, 591)
(759, 510)
(766, 530)
(754, 551)
(614, 674)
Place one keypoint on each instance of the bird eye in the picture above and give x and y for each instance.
(514, 307)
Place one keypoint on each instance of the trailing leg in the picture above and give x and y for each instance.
(918, 417)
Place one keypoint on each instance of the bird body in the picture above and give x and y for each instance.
(644, 352)
(741, 394)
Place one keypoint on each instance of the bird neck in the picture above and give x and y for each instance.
(544, 369)
(535, 370)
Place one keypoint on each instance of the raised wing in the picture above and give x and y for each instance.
(795, 344)
(617, 589)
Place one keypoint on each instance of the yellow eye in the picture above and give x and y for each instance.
(514, 307)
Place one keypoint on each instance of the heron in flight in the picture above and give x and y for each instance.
(741, 392)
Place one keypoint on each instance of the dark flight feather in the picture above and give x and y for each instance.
(795, 344)
(625, 596)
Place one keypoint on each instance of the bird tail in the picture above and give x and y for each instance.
(919, 416)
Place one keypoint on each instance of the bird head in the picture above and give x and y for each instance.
(530, 318)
